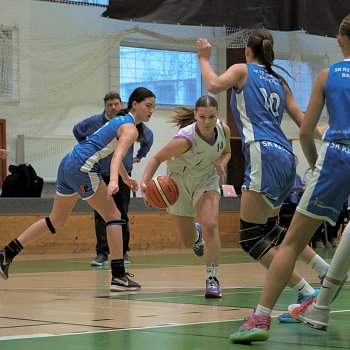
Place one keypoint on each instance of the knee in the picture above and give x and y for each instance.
(252, 240)
(209, 228)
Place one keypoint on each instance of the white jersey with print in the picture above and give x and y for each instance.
(197, 161)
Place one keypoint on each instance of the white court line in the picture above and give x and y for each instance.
(30, 336)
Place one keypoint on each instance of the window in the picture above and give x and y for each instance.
(84, 2)
(8, 65)
(173, 76)
(303, 74)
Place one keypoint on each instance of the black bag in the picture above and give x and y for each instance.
(22, 182)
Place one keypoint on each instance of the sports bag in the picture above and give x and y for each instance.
(22, 182)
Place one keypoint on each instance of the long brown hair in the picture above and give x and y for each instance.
(138, 95)
(344, 28)
(184, 116)
(260, 41)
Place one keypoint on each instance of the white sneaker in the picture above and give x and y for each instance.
(312, 315)
(319, 245)
(329, 245)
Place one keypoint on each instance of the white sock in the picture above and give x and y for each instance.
(304, 288)
(261, 309)
(319, 265)
(337, 270)
(328, 290)
(212, 271)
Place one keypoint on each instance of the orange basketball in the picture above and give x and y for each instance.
(162, 191)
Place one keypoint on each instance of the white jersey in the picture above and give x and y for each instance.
(197, 161)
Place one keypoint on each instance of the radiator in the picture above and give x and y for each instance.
(43, 153)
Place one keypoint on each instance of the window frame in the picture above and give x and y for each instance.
(14, 96)
(153, 45)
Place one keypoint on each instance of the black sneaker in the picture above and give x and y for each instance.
(122, 284)
(4, 265)
(126, 258)
(100, 260)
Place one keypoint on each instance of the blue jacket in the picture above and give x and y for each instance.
(88, 126)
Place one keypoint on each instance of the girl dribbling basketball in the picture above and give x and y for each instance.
(196, 158)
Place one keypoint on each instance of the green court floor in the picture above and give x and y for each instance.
(200, 335)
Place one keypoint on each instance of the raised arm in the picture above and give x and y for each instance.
(235, 76)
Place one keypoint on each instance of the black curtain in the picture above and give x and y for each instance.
(319, 17)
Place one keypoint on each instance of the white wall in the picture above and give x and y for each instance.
(50, 26)
(46, 30)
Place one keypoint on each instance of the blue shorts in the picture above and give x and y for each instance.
(71, 180)
(329, 187)
(270, 170)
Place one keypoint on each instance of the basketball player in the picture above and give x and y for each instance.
(79, 174)
(196, 159)
(259, 98)
(329, 185)
(82, 130)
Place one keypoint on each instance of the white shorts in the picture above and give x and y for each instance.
(191, 189)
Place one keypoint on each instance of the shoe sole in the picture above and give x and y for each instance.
(249, 336)
(199, 249)
(286, 318)
(213, 296)
(3, 275)
(308, 322)
(312, 324)
(93, 263)
(123, 289)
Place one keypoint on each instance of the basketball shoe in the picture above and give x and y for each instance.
(198, 247)
(213, 289)
(287, 318)
(311, 314)
(4, 265)
(255, 329)
(100, 260)
(122, 284)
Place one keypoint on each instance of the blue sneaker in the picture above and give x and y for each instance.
(304, 298)
(255, 329)
(198, 247)
(213, 289)
(341, 285)
(286, 317)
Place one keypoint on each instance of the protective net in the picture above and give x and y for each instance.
(53, 64)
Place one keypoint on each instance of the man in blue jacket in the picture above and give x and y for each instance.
(81, 131)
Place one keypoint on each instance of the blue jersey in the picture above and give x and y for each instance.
(80, 170)
(88, 126)
(337, 92)
(99, 145)
(258, 107)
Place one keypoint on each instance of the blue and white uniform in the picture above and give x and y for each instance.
(329, 186)
(258, 110)
(193, 170)
(80, 170)
(88, 126)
